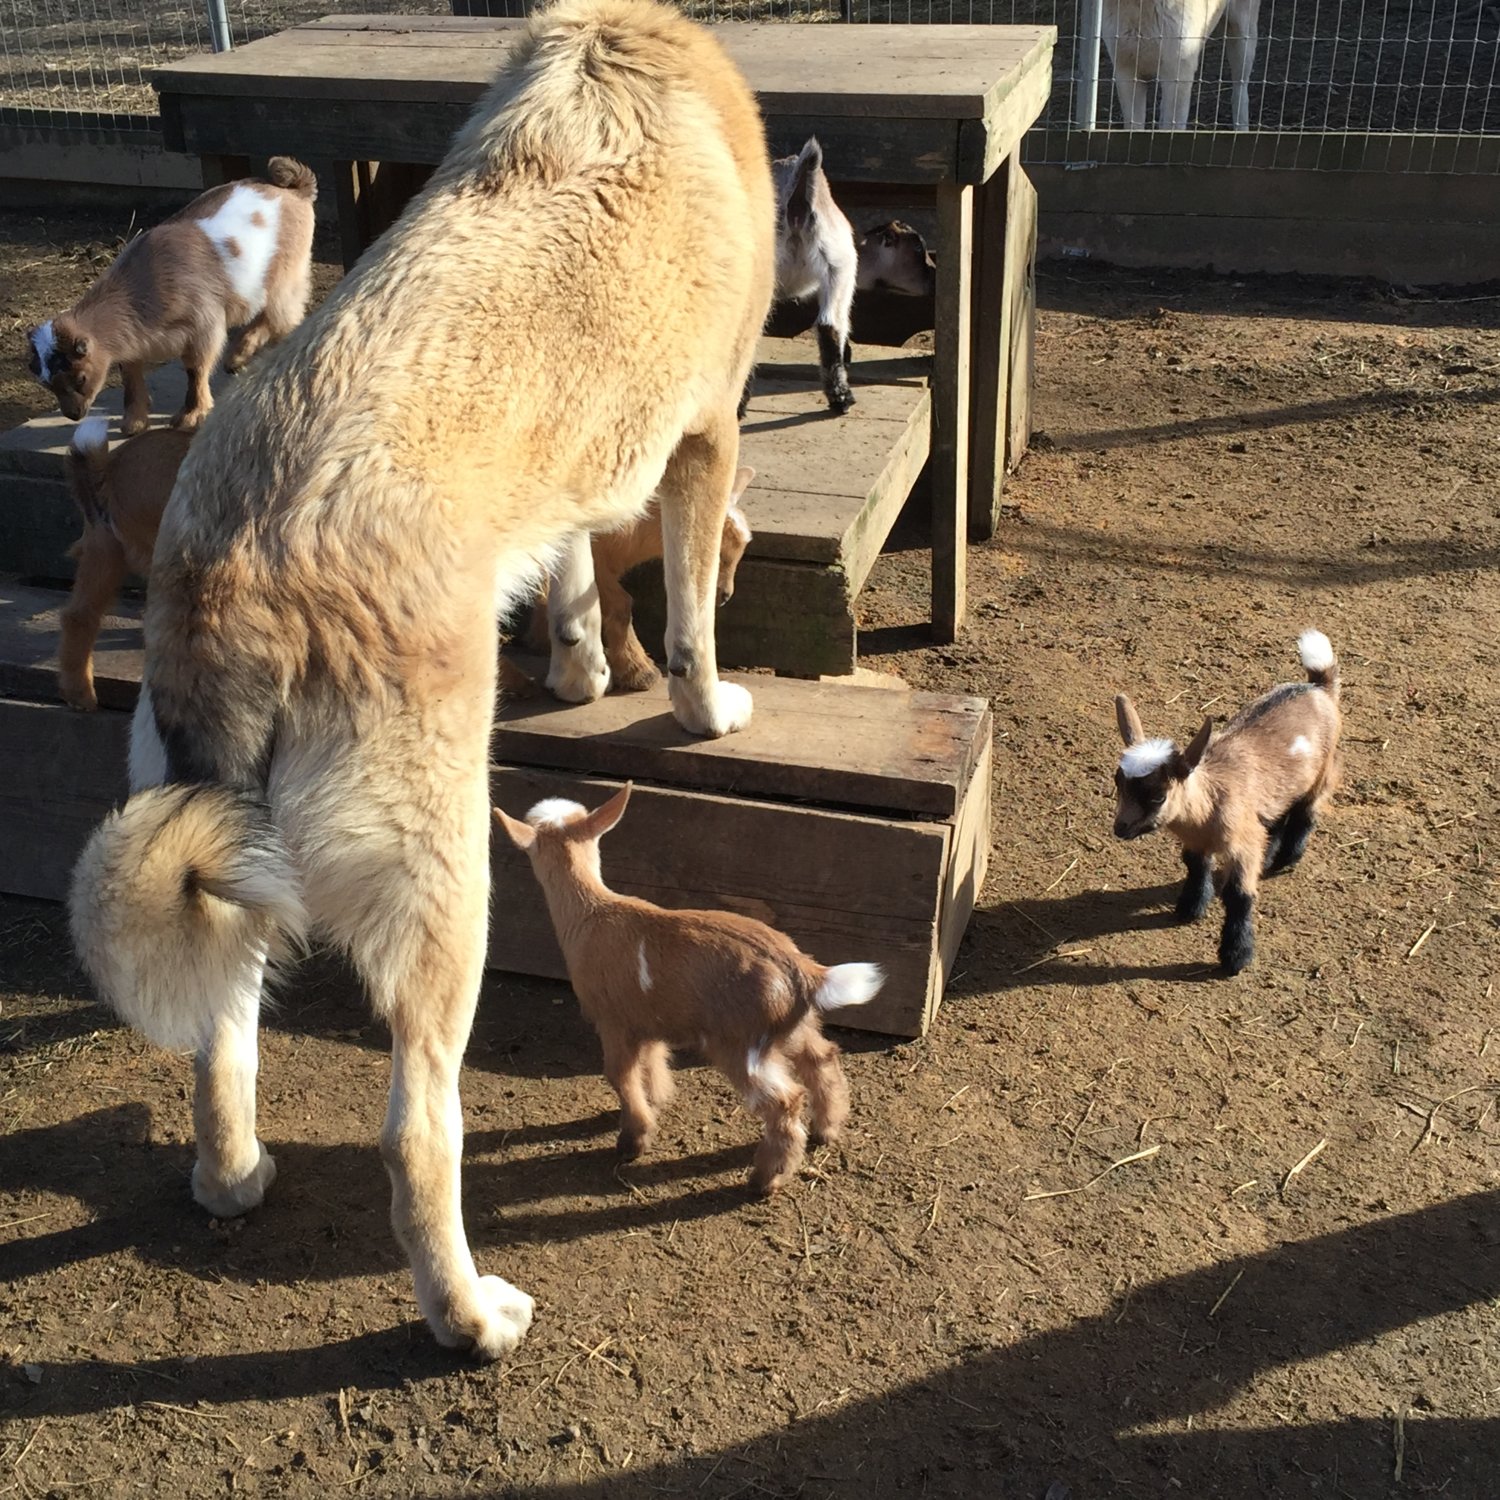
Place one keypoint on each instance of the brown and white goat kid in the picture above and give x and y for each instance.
(120, 494)
(816, 256)
(238, 256)
(567, 615)
(557, 329)
(893, 257)
(652, 980)
(1242, 804)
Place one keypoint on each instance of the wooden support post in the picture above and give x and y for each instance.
(371, 197)
(950, 408)
(1020, 283)
(990, 353)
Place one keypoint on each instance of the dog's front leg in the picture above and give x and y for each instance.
(694, 495)
(578, 672)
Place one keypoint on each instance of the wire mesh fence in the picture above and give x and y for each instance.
(1315, 73)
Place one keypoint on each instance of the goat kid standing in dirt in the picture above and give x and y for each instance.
(121, 496)
(652, 980)
(1245, 802)
(558, 328)
(1163, 40)
(238, 256)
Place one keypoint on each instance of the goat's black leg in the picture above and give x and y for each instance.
(1237, 940)
(1197, 889)
(833, 351)
(744, 405)
(1295, 826)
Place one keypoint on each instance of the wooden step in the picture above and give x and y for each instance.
(827, 491)
(854, 818)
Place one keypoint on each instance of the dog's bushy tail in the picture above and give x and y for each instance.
(88, 468)
(177, 900)
(1319, 662)
(288, 172)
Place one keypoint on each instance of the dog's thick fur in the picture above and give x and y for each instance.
(1163, 40)
(238, 256)
(120, 494)
(558, 327)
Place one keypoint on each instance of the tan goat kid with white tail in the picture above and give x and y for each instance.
(558, 327)
(239, 256)
(652, 980)
(1246, 801)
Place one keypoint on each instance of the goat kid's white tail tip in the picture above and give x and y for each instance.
(1316, 651)
(849, 984)
(92, 432)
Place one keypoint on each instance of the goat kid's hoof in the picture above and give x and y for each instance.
(633, 679)
(629, 1147)
(497, 1318)
(76, 696)
(229, 1199)
(840, 401)
(131, 426)
(1235, 957)
(767, 1184)
(189, 421)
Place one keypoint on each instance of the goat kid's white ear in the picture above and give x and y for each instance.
(1128, 720)
(602, 819)
(742, 480)
(1194, 752)
(522, 835)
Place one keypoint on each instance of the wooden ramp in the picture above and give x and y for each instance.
(827, 491)
(854, 818)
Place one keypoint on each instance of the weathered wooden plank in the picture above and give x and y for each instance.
(986, 142)
(29, 631)
(950, 408)
(835, 744)
(1020, 290)
(38, 523)
(1386, 153)
(844, 887)
(968, 863)
(990, 353)
(63, 772)
(880, 72)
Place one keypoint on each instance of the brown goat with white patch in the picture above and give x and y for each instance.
(238, 256)
(120, 494)
(652, 980)
(1245, 802)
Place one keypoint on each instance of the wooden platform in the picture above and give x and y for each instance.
(855, 818)
(827, 491)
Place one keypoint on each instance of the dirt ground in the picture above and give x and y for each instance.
(1118, 1227)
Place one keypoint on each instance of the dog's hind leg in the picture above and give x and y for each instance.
(397, 868)
(233, 1169)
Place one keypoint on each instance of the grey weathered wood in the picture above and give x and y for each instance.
(831, 743)
(990, 356)
(29, 630)
(845, 887)
(950, 406)
(1020, 294)
(885, 72)
(63, 772)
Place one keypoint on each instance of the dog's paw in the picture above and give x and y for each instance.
(726, 712)
(227, 1199)
(495, 1321)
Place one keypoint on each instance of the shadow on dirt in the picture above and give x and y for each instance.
(1130, 1393)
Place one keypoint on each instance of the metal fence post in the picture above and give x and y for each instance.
(218, 26)
(1086, 65)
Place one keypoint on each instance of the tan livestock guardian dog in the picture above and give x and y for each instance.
(559, 326)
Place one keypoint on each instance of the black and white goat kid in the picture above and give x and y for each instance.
(816, 255)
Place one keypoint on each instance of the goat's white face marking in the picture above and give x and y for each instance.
(1148, 756)
(44, 341)
(243, 231)
(643, 970)
(554, 812)
(1300, 746)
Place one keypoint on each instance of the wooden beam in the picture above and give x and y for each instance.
(950, 408)
(1020, 291)
(990, 353)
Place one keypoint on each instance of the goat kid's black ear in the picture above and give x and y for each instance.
(1128, 720)
(602, 819)
(1194, 752)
